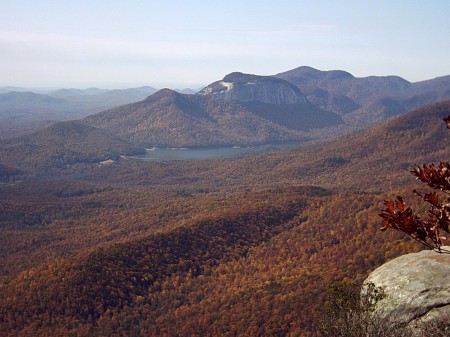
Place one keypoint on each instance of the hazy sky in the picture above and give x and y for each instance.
(117, 44)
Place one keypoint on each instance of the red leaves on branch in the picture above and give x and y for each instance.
(399, 216)
(437, 177)
(432, 198)
(428, 232)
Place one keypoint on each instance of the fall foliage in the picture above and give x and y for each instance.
(429, 231)
(239, 247)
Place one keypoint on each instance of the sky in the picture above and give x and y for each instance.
(189, 44)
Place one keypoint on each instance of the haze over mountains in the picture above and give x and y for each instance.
(21, 109)
(241, 109)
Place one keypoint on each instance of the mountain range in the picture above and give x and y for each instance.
(275, 112)
(362, 101)
(300, 105)
(243, 109)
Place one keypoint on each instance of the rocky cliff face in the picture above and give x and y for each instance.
(417, 288)
(247, 88)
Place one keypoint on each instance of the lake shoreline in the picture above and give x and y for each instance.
(206, 153)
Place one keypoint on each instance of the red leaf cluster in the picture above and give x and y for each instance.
(437, 177)
(429, 232)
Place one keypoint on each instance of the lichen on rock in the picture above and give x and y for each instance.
(417, 288)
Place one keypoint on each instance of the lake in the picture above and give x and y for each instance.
(164, 154)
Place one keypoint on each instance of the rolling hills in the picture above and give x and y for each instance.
(240, 247)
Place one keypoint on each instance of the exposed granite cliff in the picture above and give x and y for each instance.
(247, 88)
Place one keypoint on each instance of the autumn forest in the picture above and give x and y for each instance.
(98, 243)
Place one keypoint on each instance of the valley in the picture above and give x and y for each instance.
(94, 242)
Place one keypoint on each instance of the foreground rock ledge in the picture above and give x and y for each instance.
(417, 286)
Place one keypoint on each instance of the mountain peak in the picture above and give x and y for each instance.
(310, 73)
(238, 77)
(164, 94)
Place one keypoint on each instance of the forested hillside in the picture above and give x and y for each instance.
(238, 247)
(171, 119)
(63, 144)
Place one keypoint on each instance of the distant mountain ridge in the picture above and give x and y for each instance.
(76, 92)
(241, 109)
(339, 82)
(362, 101)
(22, 110)
(246, 109)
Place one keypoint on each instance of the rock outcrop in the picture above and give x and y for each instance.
(246, 88)
(417, 288)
